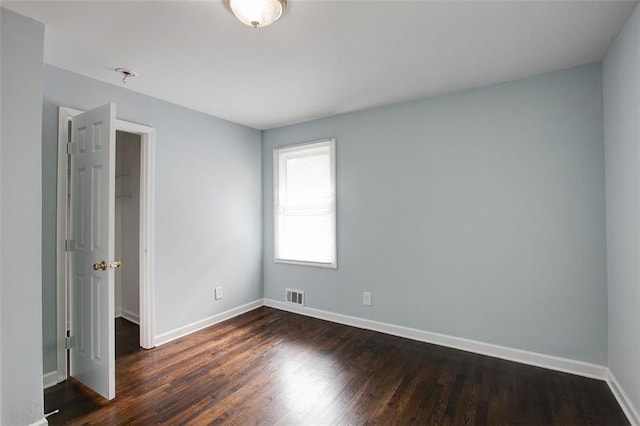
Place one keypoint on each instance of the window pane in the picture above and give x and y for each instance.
(308, 181)
(306, 238)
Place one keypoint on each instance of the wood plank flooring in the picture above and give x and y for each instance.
(270, 367)
(127, 337)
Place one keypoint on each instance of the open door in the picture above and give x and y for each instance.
(91, 292)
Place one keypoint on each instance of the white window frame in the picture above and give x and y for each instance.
(277, 152)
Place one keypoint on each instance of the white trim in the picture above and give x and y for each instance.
(623, 399)
(167, 337)
(49, 379)
(41, 422)
(64, 114)
(332, 265)
(147, 216)
(550, 362)
(147, 239)
(130, 316)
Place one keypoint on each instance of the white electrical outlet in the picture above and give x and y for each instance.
(366, 299)
(218, 293)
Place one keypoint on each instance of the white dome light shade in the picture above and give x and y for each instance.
(257, 13)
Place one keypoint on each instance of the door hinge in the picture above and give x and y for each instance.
(69, 148)
(67, 343)
(68, 245)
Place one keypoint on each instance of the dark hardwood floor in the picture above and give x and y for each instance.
(127, 337)
(272, 367)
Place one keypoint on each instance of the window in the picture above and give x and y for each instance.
(305, 204)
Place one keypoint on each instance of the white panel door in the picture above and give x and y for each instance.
(92, 297)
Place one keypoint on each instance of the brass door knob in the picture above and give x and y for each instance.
(116, 264)
(102, 265)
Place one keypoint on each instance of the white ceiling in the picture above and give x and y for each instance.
(323, 57)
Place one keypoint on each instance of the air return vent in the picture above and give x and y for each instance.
(295, 297)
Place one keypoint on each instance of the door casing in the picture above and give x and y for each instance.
(147, 198)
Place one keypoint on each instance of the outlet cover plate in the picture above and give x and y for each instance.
(366, 298)
(218, 293)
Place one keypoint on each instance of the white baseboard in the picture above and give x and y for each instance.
(199, 325)
(130, 316)
(565, 365)
(41, 422)
(50, 379)
(623, 399)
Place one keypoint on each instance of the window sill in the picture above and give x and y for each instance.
(303, 263)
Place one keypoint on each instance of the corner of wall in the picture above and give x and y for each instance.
(621, 100)
(623, 399)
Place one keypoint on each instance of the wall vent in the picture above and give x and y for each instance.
(295, 297)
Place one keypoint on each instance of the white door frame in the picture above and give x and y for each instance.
(147, 198)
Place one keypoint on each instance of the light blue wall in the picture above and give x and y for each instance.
(621, 84)
(477, 214)
(208, 214)
(22, 45)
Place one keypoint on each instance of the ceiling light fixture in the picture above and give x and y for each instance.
(257, 13)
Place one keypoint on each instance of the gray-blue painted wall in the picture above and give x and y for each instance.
(208, 214)
(621, 82)
(478, 214)
(21, 49)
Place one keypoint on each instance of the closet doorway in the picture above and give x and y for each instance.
(127, 227)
